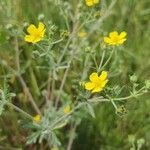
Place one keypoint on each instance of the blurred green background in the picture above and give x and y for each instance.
(107, 131)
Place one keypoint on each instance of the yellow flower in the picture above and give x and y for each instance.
(82, 34)
(91, 2)
(97, 83)
(115, 38)
(37, 118)
(35, 33)
(67, 109)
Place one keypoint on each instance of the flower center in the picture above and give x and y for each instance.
(37, 34)
(97, 83)
(115, 39)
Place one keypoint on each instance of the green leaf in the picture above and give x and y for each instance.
(2, 104)
(33, 138)
(90, 110)
(54, 139)
(61, 124)
(5, 96)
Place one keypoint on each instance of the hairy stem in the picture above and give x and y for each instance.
(20, 110)
(72, 137)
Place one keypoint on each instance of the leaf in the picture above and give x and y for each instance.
(33, 138)
(90, 110)
(2, 104)
(54, 139)
(42, 136)
(61, 124)
(5, 96)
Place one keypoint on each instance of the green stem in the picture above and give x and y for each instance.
(40, 47)
(109, 58)
(131, 96)
(102, 59)
(128, 97)
(112, 101)
(55, 42)
(20, 110)
(94, 58)
(115, 106)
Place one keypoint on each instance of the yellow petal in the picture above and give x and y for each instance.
(43, 32)
(123, 34)
(36, 39)
(41, 27)
(107, 40)
(94, 77)
(96, 1)
(89, 2)
(97, 89)
(113, 34)
(103, 75)
(89, 85)
(122, 41)
(32, 39)
(104, 83)
(29, 38)
(31, 29)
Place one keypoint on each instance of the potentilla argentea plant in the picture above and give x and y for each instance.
(76, 63)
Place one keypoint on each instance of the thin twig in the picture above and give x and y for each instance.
(102, 59)
(109, 58)
(72, 136)
(29, 95)
(62, 84)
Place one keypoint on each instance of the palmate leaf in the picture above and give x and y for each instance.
(40, 135)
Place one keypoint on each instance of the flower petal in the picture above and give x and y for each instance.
(122, 41)
(89, 2)
(31, 29)
(28, 38)
(41, 27)
(113, 34)
(96, 1)
(89, 85)
(104, 83)
(94, 77)
(103, 75)
(36, 39)
(97, 89)
(123, 34)
(107, 40)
